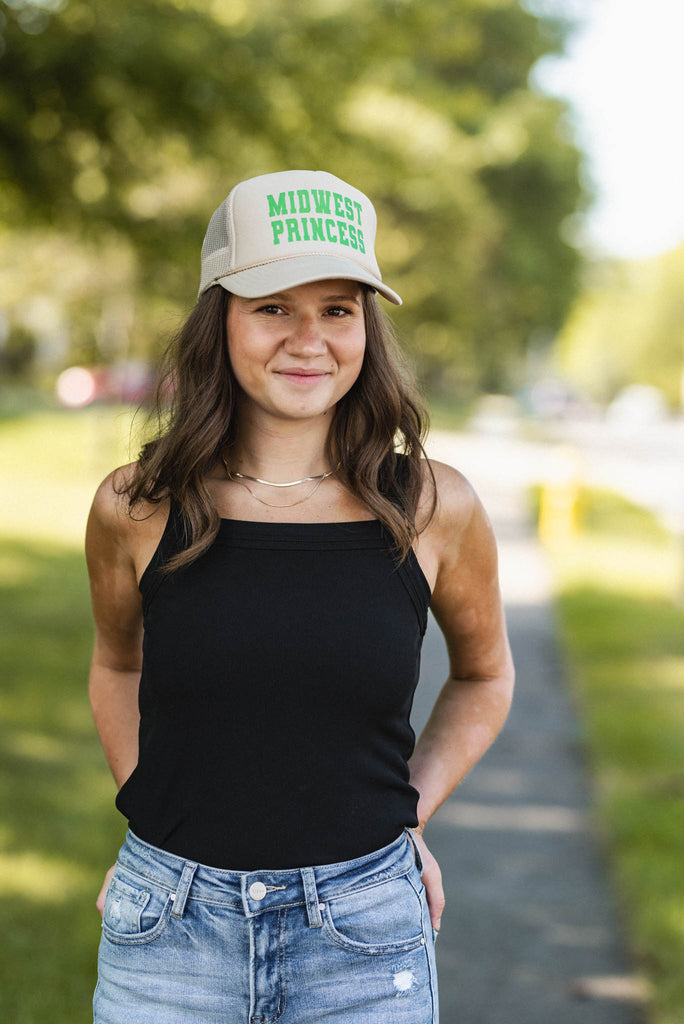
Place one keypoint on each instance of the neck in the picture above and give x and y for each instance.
(280, 452)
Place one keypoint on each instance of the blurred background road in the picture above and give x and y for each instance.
(531, 931)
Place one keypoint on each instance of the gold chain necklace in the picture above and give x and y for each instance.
(239, 478)
(257, 480)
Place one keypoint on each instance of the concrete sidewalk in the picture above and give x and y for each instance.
(530, 934)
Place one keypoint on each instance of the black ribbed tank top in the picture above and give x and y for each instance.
(278, 676)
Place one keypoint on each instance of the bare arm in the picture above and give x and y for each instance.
(117, 549)
(475, 699)
(117, 654)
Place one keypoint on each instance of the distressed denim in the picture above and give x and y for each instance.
(347, 943)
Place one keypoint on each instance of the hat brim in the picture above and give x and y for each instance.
(275, 275)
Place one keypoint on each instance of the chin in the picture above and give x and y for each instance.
(307, 414)
(305, 411)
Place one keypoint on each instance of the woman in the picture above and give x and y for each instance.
(260, 583)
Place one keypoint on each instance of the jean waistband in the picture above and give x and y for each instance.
(257, 891)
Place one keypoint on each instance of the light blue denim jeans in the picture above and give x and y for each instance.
(347, 943)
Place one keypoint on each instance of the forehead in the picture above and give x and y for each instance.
(328, 291)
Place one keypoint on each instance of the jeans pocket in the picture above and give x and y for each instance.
(135, 910)
(383, 918)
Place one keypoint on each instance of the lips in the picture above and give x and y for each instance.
(300, 374)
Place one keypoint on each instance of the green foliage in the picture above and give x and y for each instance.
(448, 415)
(125, 125)
(18, 351)
(627, 326)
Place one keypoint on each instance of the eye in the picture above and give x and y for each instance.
(338, 311)
(271, 308)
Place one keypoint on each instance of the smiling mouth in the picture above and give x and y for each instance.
(299, 376)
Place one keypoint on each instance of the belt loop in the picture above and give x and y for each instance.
(419, 859)
(312, 909)
(180, 897)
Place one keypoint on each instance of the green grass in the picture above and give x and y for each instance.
(52, 460)
(624, 640)
(58, 825)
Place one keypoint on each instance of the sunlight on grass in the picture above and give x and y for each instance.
(624, 642)
(664, 673)
(51, 463)
(59, 830)
(15, 569)
(649, 569)
(38, 878)
(36, 747)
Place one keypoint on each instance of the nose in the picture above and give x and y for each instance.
(307, 336)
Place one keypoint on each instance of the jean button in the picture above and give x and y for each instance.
(257, 890)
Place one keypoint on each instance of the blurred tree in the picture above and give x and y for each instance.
(138, 117)
(17, 351)
(627, 326)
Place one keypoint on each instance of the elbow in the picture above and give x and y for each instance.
(509, 676)
(508, 682)
(501, 687)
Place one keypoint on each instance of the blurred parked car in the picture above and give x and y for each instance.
(495, 414)
(129, 382)
(554, 399)
(638, 405)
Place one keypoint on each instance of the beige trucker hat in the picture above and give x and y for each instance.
(280, 230)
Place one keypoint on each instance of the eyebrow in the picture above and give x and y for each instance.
(345, 297)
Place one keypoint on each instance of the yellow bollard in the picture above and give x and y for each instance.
(559, 502)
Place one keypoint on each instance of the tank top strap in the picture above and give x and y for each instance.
(173, 540)
(409, 569)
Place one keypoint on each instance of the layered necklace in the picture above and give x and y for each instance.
(240, 478)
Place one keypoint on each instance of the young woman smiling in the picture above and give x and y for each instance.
(261, 578)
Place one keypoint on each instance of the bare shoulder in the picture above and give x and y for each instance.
(466, 600)
(110, 510)
(455, 499)
(452, 524)
(115, 530)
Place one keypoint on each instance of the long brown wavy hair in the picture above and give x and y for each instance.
(381, 415)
